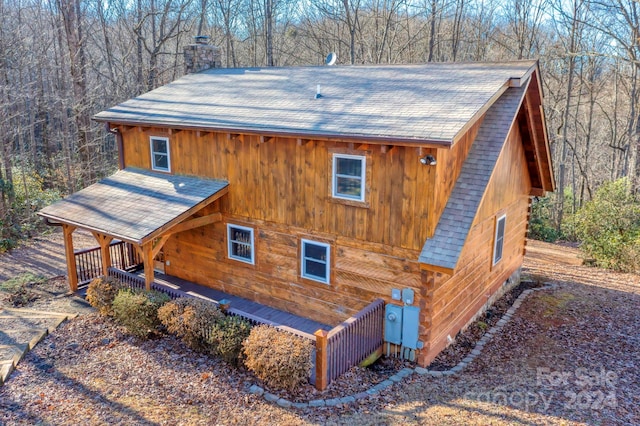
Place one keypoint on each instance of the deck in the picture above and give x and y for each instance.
(261, 313)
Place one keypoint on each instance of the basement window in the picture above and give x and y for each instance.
(498, 244)
(240, 243)
(160, 154)
(315, 261)
(349, 176)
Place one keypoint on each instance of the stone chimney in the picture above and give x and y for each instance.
(201, 55)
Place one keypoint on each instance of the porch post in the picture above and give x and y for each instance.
(147, 257)
(105, 242)
(72, 274)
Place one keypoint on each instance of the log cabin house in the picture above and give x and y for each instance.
(316, 190)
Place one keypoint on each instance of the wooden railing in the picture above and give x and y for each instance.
(349, 343)
(89, 261)
(336, 351)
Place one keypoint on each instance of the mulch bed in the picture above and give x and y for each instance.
(466, 340)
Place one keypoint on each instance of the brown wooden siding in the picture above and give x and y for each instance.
(454, 300)
(287, 182)
(448, 169)
(358, 275)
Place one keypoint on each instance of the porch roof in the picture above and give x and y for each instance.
(135, 205)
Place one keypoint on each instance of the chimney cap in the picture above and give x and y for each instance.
(201, 39)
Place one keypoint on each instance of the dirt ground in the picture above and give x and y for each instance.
(568, 356)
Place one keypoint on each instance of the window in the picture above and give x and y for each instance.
(349, 176)
(315, 261)
(240, 243)
(160, 154)
(499, 239)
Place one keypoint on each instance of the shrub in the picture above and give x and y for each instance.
(609, 227)
(281, 360)
(190, 319)
(541, 226)
(138, 311)
(102, 291)
(226, 337)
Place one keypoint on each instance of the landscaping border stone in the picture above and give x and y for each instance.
(406, 372)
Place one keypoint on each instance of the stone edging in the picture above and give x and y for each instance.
(405, 372)
(7, 366)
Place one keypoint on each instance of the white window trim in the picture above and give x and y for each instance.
(501, 241)
(303, 271)
(153, 158)
(230, 241)
(334, 177)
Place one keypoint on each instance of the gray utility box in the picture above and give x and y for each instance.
(393, 324)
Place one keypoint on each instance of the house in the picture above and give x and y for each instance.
(316, 190)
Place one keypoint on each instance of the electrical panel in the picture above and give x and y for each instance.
(410, 326)
(393, 324)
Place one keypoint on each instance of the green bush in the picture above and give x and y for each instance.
(138, 311)
(609, 227)
(102, 291)
(541, 226)
(190, 319)
(281, 360)
(226, 336)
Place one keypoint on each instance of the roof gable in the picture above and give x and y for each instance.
(432, 103)
(444, 248)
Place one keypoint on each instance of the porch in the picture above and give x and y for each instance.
(336, 348)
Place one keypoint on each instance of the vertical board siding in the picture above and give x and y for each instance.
(286, 182)
(455, 300)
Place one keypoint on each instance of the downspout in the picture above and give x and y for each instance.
(119, 144)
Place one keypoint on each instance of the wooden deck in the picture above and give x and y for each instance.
(261, 313)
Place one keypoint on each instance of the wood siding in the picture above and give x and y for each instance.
(286, 181)
(450, 302)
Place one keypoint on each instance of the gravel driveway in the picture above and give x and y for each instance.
(568, 356)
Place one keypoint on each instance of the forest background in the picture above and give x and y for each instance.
(61, 61)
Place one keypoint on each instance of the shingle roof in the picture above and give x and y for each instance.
(444, 248)
(133, 203)
(431, 102)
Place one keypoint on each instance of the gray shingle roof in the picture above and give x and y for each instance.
(429, 102)
(444, 248)
(132, 203)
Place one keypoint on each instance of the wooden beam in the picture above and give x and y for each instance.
(104, 241)
(72, 274)
(322, 380)
(264, 139)
(233, 136)
(195, 223)
(159, 243)
(302, 141)
(147, 258)
(202, 133)
(174, 131)
(386, 148)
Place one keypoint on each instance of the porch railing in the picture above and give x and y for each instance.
(349, 343)
(336, 351)
(89, 261)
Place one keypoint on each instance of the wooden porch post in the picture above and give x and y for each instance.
(104, 241)
(147, 258)
(321, 360)
(67, 231)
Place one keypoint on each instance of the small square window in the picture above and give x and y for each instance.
(160, 154)
(499, 239)
(240, 243)
(349, 176)
(315, 261)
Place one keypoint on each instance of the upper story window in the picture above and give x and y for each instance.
(240, 243)
(498, 244)
(349, 176)
(315, 261)
(160, 158)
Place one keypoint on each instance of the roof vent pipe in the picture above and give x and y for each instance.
(318, 94)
